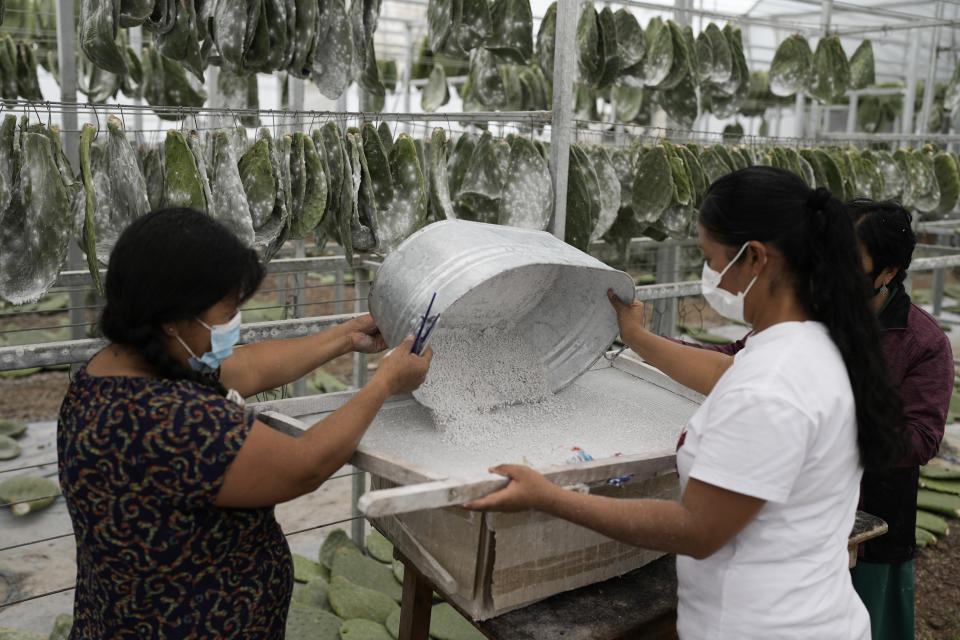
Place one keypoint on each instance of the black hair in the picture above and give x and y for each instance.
(815, 235)
(884, 229)
(169, 265)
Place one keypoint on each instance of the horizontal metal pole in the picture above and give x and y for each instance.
(940, 138)
(326, 264)
(885, 28)
(939, 226)
(667, 290)
(331, 264)
(450, 79)
(897, 91)
(74, 351)
(847, 7)
(735, 18)
(33, 108)
(648, 243)
(938, 247)
(936, 262)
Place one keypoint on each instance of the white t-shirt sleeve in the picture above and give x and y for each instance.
(752, 443)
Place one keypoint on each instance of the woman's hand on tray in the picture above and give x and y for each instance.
(364, 335)
(403, 371)
(527, 490)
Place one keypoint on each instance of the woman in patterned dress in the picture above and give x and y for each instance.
(170, 484)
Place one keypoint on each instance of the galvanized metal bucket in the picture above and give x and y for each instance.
(487, 274)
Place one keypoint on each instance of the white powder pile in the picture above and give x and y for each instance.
(475, 372)
(604, 413)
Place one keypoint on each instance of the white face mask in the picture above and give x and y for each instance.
(727, 304)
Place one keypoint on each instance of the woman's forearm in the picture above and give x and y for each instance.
(662, 525)
(698, 369)
(332, 441)
(272, 467)
(257, 367)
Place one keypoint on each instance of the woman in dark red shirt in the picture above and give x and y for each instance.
(920, 366)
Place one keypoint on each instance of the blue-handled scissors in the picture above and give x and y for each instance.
(422, 336)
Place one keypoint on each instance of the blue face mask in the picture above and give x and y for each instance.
(223, 337)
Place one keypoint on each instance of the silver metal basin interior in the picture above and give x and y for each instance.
(488, 275)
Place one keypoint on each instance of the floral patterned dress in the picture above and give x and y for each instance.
(141, 461)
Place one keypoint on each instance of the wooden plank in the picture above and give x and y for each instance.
(630, 362)
(416, 604)
(282, 423)
(391, 467)
(317, 404)
(456, 491)
(307, 405)
(405, 542)
(865, 527)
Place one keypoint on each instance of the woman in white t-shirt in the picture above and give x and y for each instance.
(770, 464)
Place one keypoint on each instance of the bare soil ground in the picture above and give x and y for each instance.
(937, 587)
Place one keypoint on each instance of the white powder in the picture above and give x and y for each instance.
(604, 413)
(476, 371)
(481, 362)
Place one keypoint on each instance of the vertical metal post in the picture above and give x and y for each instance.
(211, 83)
(338, 292)
(295, 101)
(939, 280)
(680, 12)
(665, 311)
(361, 289)
(299, 299)
(357, 489)
(411, 53)
(826, 13)
(798, 108)
(67, 60)
(928, 88)
(564, 70)
(852, 112)
(136, 43)
(913, 55)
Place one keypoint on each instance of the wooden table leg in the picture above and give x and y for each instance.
(416, 604)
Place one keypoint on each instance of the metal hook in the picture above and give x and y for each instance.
(616, 355)
(48, 114)
(96, 115)
(123, 119)
(36, 113)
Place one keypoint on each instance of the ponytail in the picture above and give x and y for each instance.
(816, 236)
(837, 276)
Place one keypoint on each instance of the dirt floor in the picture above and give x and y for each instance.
(937, 585)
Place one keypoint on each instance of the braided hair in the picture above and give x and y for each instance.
(884, 229)
(170, 265)
(816, 237)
